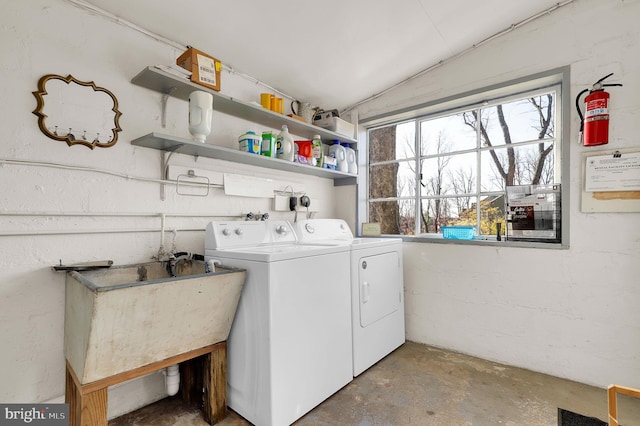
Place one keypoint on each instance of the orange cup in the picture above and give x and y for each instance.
(279, 105)
(265, 100)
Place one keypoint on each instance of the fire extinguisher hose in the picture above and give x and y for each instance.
(579, 110)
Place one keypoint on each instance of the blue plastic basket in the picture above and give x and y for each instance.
(458, 232)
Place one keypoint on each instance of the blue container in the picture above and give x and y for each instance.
(250, 142)
(458, 232)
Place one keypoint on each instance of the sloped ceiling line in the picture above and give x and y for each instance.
(461, 53)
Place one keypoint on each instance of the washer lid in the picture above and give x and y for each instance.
(277, 252)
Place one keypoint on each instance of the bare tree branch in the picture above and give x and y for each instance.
(545, 120)
(511, 158)
(487, 141)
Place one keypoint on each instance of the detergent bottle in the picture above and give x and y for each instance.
(285, 148)
(352, 160)
(338, 152)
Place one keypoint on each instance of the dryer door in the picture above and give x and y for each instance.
(380, 286)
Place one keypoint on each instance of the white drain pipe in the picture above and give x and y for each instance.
(172, 379)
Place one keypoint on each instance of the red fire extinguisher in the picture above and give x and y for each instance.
(594, 124)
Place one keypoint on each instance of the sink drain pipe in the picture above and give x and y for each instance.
(172, 379)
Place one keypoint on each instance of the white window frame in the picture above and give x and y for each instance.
(558, 79)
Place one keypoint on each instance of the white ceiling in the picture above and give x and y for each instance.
(331, 53)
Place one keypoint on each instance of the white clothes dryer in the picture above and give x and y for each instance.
(377, 288)
(289, 347)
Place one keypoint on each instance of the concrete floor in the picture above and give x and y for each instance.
(422, 385)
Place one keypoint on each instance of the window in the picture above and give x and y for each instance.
(451, 166)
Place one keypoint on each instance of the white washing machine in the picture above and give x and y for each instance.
(377, 288)
(289, 347)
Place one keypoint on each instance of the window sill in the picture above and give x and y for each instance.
(483, 241)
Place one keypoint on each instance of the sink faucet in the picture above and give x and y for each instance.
(171, 265)
(169, 258)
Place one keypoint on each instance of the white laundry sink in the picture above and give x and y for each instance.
(125, 317)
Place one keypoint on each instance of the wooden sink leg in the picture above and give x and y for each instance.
(191, 381)
(85, 409)
(215, 384)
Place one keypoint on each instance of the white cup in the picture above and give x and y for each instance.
(200, 114)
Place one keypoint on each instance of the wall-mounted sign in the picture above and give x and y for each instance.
(613, 172)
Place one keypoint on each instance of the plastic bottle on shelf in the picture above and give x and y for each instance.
(352, 159)
(316, 151)
(339, 153)
(285, 146)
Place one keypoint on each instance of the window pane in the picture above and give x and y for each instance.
(392, 142)
(491, 214)
(446, 134)
(382, 144)
(536, 156)
(438, 212)
(519, 121)
(406, 140)
(395, 217)
(392, 180)
(454, 174)
(529, 163)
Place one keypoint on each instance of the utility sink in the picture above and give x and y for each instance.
(124, 317)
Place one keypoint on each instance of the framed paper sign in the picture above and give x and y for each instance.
(614, 172)
(611, 181)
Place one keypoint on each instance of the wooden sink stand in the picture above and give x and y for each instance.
(204, 368)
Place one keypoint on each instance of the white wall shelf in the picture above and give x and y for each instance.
(178, 87)
(172, 85)
(169, 143)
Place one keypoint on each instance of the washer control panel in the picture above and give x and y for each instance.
(222, 235)
(310, 230)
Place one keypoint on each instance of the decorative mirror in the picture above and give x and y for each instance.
(76, 115)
